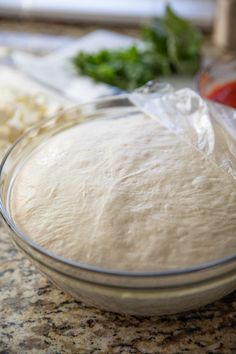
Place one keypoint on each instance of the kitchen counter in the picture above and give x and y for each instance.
(37, 318)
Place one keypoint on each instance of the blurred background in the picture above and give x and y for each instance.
(70, 17)
(120, 12)
(41, 37)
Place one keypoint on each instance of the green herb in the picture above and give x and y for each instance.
(170, 46)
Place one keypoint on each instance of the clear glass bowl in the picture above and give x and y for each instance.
(154, 293)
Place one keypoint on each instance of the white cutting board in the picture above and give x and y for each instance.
(56, 71)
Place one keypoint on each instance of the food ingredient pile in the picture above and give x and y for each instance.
(169, 46)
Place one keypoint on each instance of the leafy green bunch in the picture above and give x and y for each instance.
(171, 45)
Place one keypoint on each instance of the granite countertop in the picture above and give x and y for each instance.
(36, 317)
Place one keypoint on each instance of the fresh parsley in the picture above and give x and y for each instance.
(170, 46)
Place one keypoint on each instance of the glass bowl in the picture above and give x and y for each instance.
(137, 293)
(220, 72)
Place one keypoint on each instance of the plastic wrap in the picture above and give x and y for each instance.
(142, 288)
(206, 125)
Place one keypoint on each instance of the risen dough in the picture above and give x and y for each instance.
(125, 194)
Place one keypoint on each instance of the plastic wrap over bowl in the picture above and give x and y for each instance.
(138, 293)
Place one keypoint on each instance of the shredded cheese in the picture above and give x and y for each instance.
(19, 112)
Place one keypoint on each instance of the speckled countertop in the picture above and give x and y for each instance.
(36, 317)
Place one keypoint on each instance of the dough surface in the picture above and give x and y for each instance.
(125, 194)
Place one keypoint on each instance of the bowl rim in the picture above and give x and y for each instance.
(83, 266)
